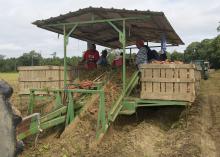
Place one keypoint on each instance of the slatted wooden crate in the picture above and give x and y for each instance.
(169, 82)
(41, 77)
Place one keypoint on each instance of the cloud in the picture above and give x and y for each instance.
(10, 46)
(192, 20)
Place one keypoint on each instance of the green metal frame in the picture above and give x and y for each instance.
(122, 38)
(33, 128)
(66, 111)
(127, 105)
(117, 106)
(131, 104)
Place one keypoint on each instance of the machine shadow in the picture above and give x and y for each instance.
(164, 117)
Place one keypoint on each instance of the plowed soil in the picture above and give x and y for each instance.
(152, 132)
(169, 131)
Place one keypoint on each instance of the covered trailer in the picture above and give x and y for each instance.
(118, 28)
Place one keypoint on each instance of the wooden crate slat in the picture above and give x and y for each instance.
(39, 68)
(163, 73)
(148, 87)
(165, 96)
(176, 87)
(41, 77)
(183, 87)
(163, 87)
(156, 74)
(192, 74)
(169, 82)
(162, 76)
(183, 73)
(147, 73)
(165, 66)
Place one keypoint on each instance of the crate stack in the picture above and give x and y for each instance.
(41, 77)
(178, 82)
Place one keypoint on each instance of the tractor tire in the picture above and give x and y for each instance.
(7, 129)
(206, 75)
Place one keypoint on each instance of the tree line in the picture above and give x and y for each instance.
(207, 49)
(35, 59)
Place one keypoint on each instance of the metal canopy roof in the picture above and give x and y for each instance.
(145, 25)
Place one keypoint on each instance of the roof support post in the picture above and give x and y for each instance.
(65, 39)
(122, 39)
(163, 43)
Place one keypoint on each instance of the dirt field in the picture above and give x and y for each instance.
(152, 132)
(168, 132)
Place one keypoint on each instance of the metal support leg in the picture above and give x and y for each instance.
(31, 103)
(58, 100)
(70, 109)
(101, 123)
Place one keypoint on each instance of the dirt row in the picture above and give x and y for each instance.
(152, 132)
(169, 131)
(80, 135)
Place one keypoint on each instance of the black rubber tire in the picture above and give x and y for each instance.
(206, 75)
(7, 130)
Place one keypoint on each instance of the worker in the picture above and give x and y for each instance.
(141, 57)
(103, 59)
(90, 57)
(163, 56)
(151, 54)
(118, 61)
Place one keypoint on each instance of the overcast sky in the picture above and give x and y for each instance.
(193, 20)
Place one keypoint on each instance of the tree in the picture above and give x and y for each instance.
(8, 65)
(177, 56)
(191, 52)
(207, 49)
(31, 58)
(218, 28)
(215, 54)
(2, 57)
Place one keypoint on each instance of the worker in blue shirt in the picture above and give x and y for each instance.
(103, 59)
(141, 57)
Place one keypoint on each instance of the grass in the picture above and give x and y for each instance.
(9, 77)
(12, 79)
(213, 83)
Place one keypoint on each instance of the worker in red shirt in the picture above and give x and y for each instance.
(118, 61)
(90, 57)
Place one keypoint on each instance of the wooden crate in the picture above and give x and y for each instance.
(169, 82)
(41, 77)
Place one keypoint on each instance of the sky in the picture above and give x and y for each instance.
(193, 20)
